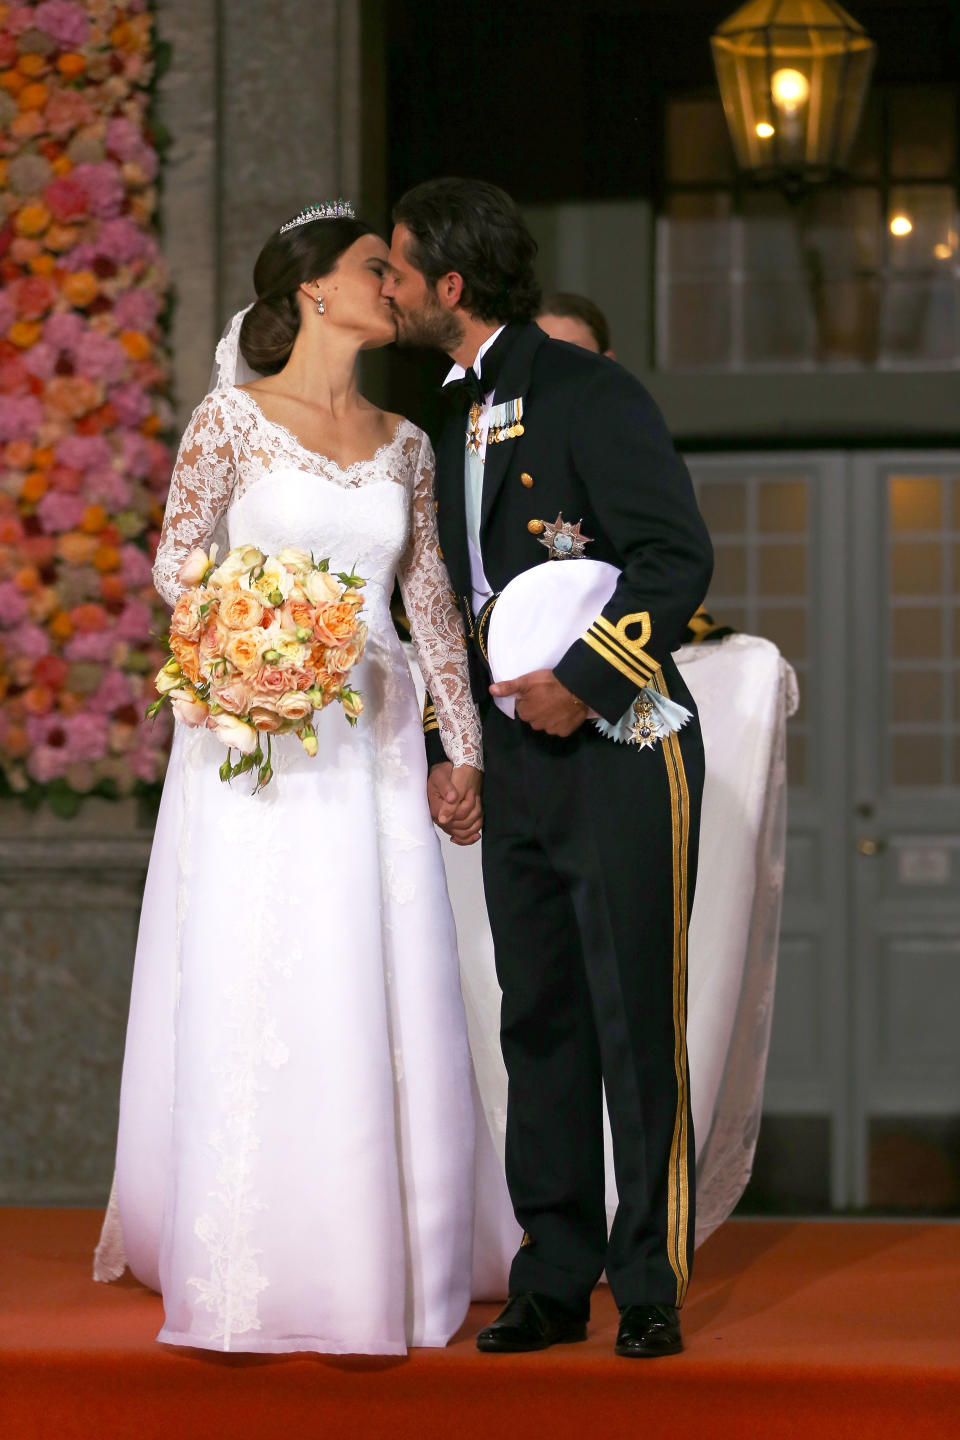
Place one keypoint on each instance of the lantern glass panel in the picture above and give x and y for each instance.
(922, 133)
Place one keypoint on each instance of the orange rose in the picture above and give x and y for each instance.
(27, 578)
(25, 333)
(242, 649)
(297, 613)
(13, 81)
(34, 96)
(188, 657)
(213, 639)
(32, 219)
(240, 609)
(335, 624)
(94, 519)
(80, 287)
(186, 615)
(18, 454)
(89, 617)
(71, 395)
(136, 344)
(61, 626)
(71, 65)
(62, 165)
(34, 487)
(77, 549)
(106, 557)
(344, 657)
(59, 238)
(113, 587)
(38, 700)
(234, 697)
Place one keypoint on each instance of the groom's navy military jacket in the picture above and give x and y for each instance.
(595, 448)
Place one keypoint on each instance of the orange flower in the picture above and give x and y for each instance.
(89, 617)
(61, 237)
(13, 81)
(16, 742)
(335, 624)
(31, 65)
(71, 396)
(77, 549)
(151, 425)
(60, 626)
(62, 165)
(106, 558)
(42, 265)
(80, 288)
(94, 519)
(38, 700)
(136, 344)
(25, 333)
(113, 588)
(33, 97)
(71, 704)
(32, 219)
(33, 487)
(71, 65)
(50, 670)
(187, 656)
(27, 578)
(18, 454)
(43, 458)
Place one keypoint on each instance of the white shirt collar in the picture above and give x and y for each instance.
(458, 371)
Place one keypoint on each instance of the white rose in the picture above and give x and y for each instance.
(236, 563)
(320, 587)
(271, 579)
(169, 678)
(293, 558)
(234, 733)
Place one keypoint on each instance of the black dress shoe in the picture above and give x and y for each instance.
(530, 1322)
(649, 1330)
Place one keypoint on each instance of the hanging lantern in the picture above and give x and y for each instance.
(793, 77)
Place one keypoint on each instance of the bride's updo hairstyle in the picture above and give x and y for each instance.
(306, 252)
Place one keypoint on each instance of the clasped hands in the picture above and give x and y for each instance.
(453, 791)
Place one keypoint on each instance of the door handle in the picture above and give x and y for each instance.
(868, 846)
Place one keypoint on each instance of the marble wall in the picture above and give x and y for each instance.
(263, 104)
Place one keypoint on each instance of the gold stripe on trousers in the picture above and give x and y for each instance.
(678, 1193)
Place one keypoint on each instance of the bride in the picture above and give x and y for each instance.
(296, 1140)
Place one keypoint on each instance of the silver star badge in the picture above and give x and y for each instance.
(564, 540)
(645, 731)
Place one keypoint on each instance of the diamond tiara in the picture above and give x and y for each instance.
(329, 210)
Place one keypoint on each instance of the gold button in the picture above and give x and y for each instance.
(536, 527)
(526, 479)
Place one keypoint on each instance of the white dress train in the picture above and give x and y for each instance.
(295, 1161)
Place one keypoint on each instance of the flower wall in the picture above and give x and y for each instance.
(83, 401)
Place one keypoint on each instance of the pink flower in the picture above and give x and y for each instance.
(108, 488)
(96, 645)
(122, 241)
(20, 417)
(39, 728)
(66, 22)
(134, 622)
(104, 188)
(65, 111)
(14, 376)
(13, 607)
(29, 641)
(8, 311)
(234, 697)
(131, 403)
(270, 681)
(33, 296)
(136, 309)
(136, 455)
(113, 692)
(19, 18)
(100, 357)
(45, 764)
(40, 360)
(66, 199)
(84, 452)
(58, 511)
(65, 330)
(135, 566)
(147, 765)
(87, 736)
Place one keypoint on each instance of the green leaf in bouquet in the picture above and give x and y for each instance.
(323, 565)
(226, 769)
(352, 581)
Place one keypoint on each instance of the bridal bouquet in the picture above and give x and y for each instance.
(257, 644)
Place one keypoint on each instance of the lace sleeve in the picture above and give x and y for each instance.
(200, 490)
(435, 623)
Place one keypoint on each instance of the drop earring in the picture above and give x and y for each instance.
(320, 310)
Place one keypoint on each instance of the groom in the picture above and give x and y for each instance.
(589, 847)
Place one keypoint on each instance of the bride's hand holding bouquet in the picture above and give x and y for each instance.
(259, 643)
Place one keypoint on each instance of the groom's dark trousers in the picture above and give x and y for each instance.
(590, 847)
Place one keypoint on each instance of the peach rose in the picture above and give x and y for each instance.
(344, 657)
(294, 706)
(188, 657)
(241, 609)
(188, 708)
(266, 719)
(335, 624)
(270, 680)
(299, 677)
(234, 696)
(186, 615)
(243, 649)
(297, 614)
(194, 568)
(213, 639)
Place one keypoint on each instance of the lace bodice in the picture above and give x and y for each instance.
(230, 452)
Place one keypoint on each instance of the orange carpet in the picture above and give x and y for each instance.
(794, 1330)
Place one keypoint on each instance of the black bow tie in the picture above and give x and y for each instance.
(473, 389)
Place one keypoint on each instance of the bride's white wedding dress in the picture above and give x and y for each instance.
(295, 1164)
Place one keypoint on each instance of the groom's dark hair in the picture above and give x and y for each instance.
(474, 228)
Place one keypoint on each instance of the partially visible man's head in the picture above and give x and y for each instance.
(574, 318)
(459, 246)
